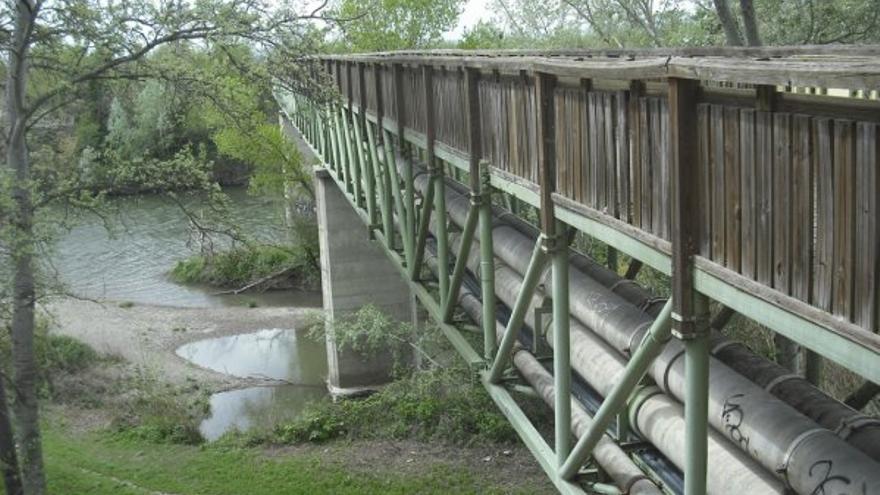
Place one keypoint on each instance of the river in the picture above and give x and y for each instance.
(131, 264)
(149, 236)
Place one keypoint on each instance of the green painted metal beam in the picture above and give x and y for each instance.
(530, 436)
(537, 263)
(653, 343)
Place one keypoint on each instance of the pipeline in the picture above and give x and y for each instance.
(860, 430)
(857, 428)
(608, 454)
(802, 453)
(660, 419)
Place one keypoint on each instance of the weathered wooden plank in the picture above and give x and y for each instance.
(704, 142)
(665, 204)
(844, 218)
(801, 215)
(611, 206)
(782, 199)
(733, 201)
(719, 230)
(867, 218)
(622, 145)
(601, 153)
(635, 97)
(764, 199)
(824, 170)
(657, 173)
(645, 159)
(748, 193)
(585, 148)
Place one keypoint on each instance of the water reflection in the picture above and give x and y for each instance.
(273, 353)
(256, 407)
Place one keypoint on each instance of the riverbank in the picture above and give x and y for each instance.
(87, 451)
(147, 335)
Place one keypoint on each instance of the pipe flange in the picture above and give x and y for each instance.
(855, 423)
(623, 281)
(789, 453)
(724, 344)
(638, 399)
(669, 366)
(629, 345)
(780, 379)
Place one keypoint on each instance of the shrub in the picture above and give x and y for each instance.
(444, 404)
(160, 412)
(244, 265)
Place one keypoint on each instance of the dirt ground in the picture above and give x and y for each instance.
(147, 336)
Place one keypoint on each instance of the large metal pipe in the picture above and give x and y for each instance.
(663, 418)
(608, 454)
(769, 430)
(856, 428)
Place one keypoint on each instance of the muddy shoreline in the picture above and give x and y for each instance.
(148, 335)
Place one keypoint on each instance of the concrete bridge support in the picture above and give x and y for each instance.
(354, 272)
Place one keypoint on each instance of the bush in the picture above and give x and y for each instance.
(244, 265)
(160, 412)
(441, 404)
(55, 354)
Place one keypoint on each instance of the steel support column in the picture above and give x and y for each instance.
(467, 237)
(561, 345)
(487, 263)
(652, 344)
(518, 313)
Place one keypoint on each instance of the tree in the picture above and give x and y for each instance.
(379, 25)
(56, 49)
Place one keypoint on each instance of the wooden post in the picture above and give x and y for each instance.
(546, 128)
(689, 308)
(475, 140)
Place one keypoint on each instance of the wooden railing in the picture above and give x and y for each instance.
(787, 184)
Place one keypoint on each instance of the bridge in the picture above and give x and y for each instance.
(748, 178)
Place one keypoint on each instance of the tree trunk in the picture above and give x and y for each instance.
(8, 457)
(27, 424)
(728, 22)
(747, 7)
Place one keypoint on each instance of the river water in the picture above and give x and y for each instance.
(279, 354)
(132, 263)
(149, 236)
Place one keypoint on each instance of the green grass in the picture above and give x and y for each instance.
(99, 463)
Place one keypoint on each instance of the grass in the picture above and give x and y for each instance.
(446, 405)
(98, 464)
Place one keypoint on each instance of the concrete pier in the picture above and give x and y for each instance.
(354, 272)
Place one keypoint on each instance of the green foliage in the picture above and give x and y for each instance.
(441, 404)
(243, 265)
(275, 160)
(380, 25)
(370, 331)
(55, 355)
(159, 412)
(483, 35)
